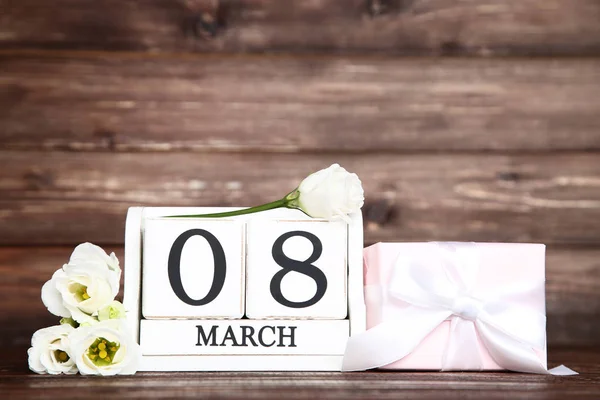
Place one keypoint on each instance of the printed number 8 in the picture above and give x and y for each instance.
(304, 267)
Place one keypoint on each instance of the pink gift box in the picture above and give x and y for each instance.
(500, 265)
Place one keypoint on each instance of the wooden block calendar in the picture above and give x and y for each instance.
(269, 291)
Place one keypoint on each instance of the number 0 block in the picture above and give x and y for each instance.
(296, 269)
(193, 268)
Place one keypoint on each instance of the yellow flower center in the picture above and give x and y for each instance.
(80, 291)
(102, 351)
(61, 356)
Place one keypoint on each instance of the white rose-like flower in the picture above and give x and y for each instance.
(330, 193)
(105, 348)
(50, 352)
(88, 283)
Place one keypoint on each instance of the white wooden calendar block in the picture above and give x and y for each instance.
(296, 269)
(239, 337)
(283, 295)
(193, 268)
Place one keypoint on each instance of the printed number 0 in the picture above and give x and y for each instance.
(174, 266)
(304, 267)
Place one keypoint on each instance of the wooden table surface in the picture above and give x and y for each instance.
(16, 381)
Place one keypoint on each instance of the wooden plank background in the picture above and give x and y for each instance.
(138, 102)
(399, 27)
(466, 120)
(65, 197)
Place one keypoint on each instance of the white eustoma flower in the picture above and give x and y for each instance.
(105, 348)
(50, 352)
(330, 193)
(89, 282)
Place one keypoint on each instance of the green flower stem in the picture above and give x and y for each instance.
(269, 206)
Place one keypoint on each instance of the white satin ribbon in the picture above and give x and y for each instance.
(440, 286)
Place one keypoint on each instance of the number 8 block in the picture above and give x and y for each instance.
(296, 269)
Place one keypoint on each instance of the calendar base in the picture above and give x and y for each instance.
(241, 363)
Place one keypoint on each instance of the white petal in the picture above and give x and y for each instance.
(87, 255)
(134, 358)
(88, 251)
(33, 358)
(52, 298)
(81, 317)
(47, 362)
(114, 264)
(114, 279)
(100, 296)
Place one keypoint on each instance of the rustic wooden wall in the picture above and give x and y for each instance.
(466, 120)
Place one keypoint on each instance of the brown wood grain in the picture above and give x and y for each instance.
(573, 295)
(16, 382)
(24, 270)
(104, 102)
(423, 27)
(67, 197)
(573, 292)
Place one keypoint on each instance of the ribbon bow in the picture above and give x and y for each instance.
(441, 286)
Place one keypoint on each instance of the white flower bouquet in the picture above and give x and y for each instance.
(91, 338)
